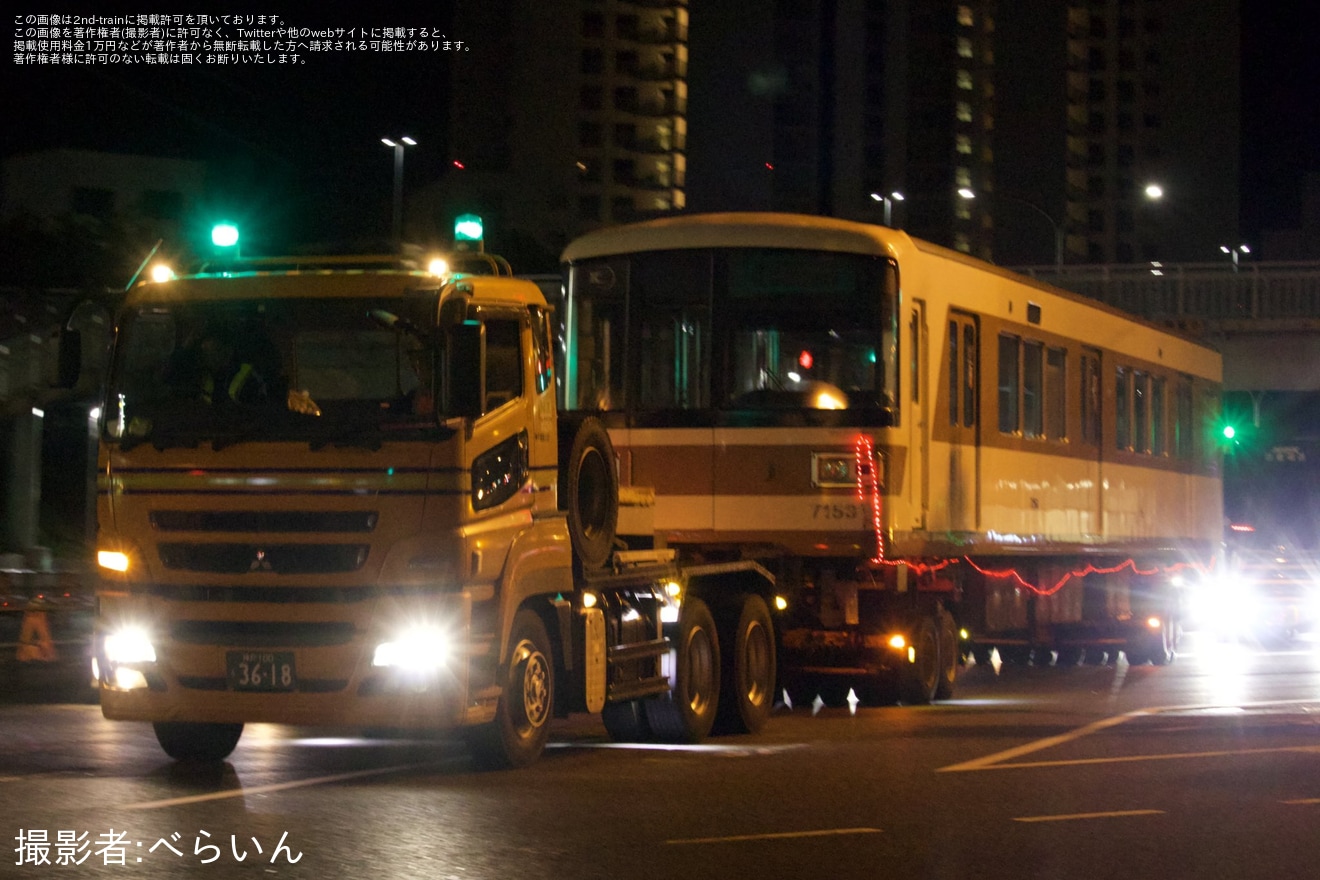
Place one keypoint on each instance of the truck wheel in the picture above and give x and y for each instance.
(748, 685)
(522, 717)
(920, 678)
(189, 741)
(626, 721)
(948, 656)
(591, 494)
(687, 713)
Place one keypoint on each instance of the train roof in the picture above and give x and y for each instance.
(806, 232)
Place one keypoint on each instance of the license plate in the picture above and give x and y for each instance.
(261, 671)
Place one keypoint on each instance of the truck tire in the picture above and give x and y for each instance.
(687, 713)
(626, 722)
(747, 688)
(919, 679)
(591, 494)
(190, 741)
(517, 736)
(948, 656)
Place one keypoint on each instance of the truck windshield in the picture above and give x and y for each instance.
(331, 371)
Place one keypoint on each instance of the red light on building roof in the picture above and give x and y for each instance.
(805, 360)
(458, 164)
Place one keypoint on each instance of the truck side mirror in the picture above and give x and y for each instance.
(465, 370)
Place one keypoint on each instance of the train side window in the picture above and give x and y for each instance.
(1008, 383)
(1141, 411)
(1123, 408)
(1056, 397)
(954, 362)
(1090, 399)
(1033, 382)
(969, 375)
(1182, 421)
(1158, 446)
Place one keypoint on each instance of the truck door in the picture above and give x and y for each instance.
(964, 484)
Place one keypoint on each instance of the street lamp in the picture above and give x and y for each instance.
(398, 147)
(889, 200)
(1233, 253)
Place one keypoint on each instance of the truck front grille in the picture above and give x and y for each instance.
(289, 521)
(262, 634)
(276, 558)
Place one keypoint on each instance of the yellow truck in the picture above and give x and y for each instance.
(338, 493)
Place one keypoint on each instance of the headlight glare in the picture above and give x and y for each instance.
(420, 649)
(130, 645)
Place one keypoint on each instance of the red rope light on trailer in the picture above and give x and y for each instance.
(1012, 573)
(868, 481)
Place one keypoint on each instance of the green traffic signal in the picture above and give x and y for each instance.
(1229, 432)
(468, 227)
(224, 235)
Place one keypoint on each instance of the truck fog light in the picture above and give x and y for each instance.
(129, 646)
(112, 559)
(127, 679)
(420, 649)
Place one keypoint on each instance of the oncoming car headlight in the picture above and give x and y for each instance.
(417, 649)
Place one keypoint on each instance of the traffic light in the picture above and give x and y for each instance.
(468, 233)
(224, 235)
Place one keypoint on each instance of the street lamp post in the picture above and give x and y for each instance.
(888, 200)
(398, 147)
(1233, 253)
(1054, 226)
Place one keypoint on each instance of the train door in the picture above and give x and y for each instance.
(964, 483)
(918, 474)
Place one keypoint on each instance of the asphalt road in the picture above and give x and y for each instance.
(1209, 768)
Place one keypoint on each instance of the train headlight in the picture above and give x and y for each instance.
(416, 649)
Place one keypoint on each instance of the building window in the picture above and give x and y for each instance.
(964, 79)
(591, 98)
(963, 111)
(965, 17)
(590, 134)
(963, 144)
(964, 47)
(593, 62)
(593, 25)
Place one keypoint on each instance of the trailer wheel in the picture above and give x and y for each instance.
(522, 717)
(948, 656)
(626, 722)
(190, 741)
(748, 686)
(591, 494)
(920, 677)
(687, 713)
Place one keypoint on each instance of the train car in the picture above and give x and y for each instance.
(937, 458)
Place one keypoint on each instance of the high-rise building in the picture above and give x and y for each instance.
(580, 121)
(1101, 100)
(1023, 132)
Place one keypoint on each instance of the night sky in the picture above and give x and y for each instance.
(275, 135)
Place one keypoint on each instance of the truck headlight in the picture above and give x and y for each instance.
(114, 560)
(130, 645)
(418, 649)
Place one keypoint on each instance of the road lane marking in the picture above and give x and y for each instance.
(1070, 817)
(782, 835)
(278, 786)
(1131, 759)
(988, 761)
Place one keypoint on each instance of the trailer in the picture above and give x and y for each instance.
(936, 458)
